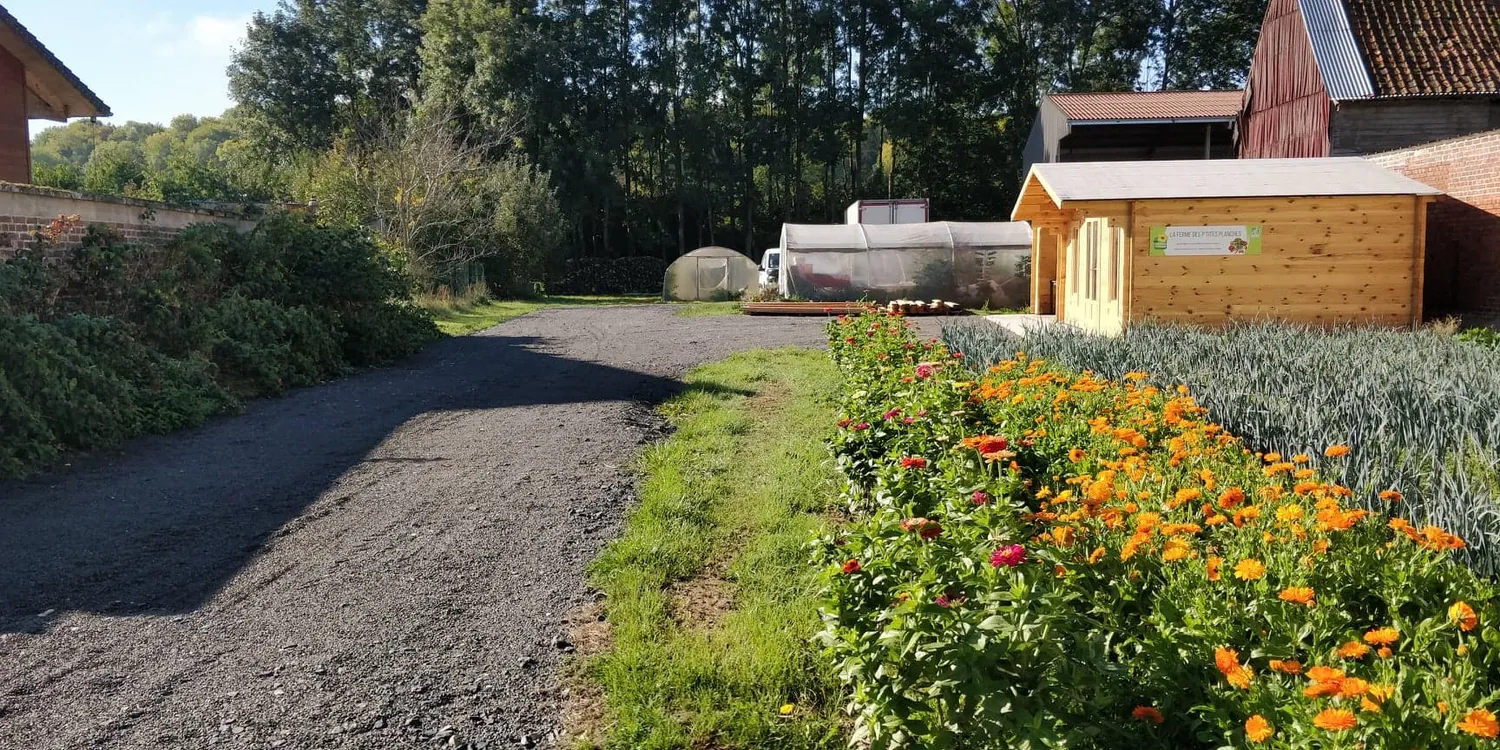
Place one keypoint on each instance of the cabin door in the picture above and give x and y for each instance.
(1094, 291)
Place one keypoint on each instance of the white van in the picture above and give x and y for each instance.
(770, 269)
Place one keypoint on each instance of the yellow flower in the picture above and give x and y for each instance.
(1213, 567)
(1175, 550)
(787, 709)
(1480, 723)
(1288, 513)
(1381, 693)
(1369, 706)
(1298, 595)
(1249, 569)
(1257, 729)
(1335, 720)
(1382, 636)
(1463, 616)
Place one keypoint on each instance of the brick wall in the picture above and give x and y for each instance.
(24, 209)
(15, 140)
(1463, 226)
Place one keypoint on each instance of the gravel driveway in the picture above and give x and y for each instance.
(379, 562)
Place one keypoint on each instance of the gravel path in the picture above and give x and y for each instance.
(379, 562)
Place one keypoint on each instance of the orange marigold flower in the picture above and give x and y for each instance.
(1301, 458)
(1463, 616)
(1443, 707)
(1325, 674)
(1369, 706)
(1462, 650)
(1272, 458)
(1298, 595)
(1257, 729)
(1249, 569)
(1335, 451)
(1303, 474)
(1075, 455)
(1286, 666)
(1147, 713)
(1217, 519)
(1214, 563)
(1227, 660)
(1353, 650)
(1231, 497)
(1335, 720)
(1320, 546)
(1096, 555)
(1353, 687)
(1320, 689)
(1385, 651)
(1240, 678)
(1382, 636)
(1480, 723)
(1390, 496)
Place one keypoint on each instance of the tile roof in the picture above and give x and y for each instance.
(26, 36)
(1149, 105)
(1222, 178)
(1429, 47)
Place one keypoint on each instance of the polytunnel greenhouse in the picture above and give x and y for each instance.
(972, 263)
(708, 273)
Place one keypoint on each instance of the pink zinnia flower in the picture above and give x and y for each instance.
(851, 566)
(913, 462)
(892, 414)
(1010, 556)
(860, 426)
(845, 422)
(925, 370)
(908, 420)
(925, 527)
(981, 497)
(944, 600)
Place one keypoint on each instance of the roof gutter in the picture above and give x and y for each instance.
(1155, 120)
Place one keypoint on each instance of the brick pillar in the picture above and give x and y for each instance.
(15, 141)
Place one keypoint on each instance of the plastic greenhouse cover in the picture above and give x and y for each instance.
(971, 263)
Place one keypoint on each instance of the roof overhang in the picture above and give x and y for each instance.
(1155, 121)
(1038, 203)
(52, 91)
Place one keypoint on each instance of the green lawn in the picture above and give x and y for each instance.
(704, 309)
(711, 598)
(457, 319)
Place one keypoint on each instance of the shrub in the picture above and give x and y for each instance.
(263, 348)
(1046, 558)
(1421, 410)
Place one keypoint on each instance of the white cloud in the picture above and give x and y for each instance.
(218, 36)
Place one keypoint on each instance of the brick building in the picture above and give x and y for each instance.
(34, 84)
(1355, 77)
(1463, 226)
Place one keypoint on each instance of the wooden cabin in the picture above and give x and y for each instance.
(1332, 240)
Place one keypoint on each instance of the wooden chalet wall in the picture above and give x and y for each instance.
(1323, 260)
(1287, 112)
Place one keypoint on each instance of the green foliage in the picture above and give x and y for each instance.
(1483, 336)
(633, 275)
(119, 340)
(1045, 558)
(1422, 410)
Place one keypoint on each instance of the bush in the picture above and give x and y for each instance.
(1046, 558)
(119, 340)
(1421, 410)
(632, 275)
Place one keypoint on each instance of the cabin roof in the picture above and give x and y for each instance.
(1212, 178)
(1148, 106)
(52, 91)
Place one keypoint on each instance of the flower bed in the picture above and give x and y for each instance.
(1420, 409)
(1043, 558)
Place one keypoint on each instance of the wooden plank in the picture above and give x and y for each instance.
(1419, 259)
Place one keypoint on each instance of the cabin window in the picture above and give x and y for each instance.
(1073, 266)
(1093, 260)
(1117, 266)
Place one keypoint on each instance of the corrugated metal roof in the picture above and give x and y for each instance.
(1339, 59)
(1149, 105)
(932, 234)
(1222, 178)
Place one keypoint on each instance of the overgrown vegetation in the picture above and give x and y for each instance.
(1420, 409)
(710, 601)
(1048, 558)
(113, 340)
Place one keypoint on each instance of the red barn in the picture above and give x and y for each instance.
(1354, 77)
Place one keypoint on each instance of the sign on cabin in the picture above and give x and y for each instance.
(1241, 239)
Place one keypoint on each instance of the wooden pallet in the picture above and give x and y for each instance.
(817, 308)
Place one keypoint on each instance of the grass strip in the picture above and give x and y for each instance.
(456, 318)
(711, 600)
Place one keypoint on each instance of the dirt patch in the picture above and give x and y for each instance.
(701, 603)
(583, 712)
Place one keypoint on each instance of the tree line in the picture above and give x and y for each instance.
(651, 127)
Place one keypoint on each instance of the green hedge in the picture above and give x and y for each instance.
(118, 340)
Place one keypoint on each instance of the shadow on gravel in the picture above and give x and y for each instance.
(162, 525)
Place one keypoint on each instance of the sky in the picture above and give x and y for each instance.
(149, 60)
